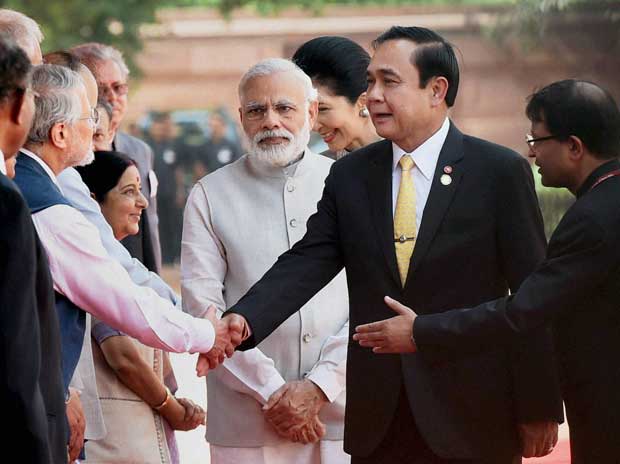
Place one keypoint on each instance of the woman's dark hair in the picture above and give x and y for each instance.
(579, 108)
(435, 56)
(337, 63)
(103, 174)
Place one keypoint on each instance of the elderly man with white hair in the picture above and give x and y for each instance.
(282, 402)
(24, 31)
(85, 277)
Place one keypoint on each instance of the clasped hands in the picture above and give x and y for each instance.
(293, 411)
(230, 331)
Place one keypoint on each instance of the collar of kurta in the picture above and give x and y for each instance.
(297, 169)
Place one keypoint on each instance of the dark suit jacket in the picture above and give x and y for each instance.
(577, 288)
(145, 245)
(50, 378)
(20, 357)
(480, 236)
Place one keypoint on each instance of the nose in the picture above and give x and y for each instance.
(271, 119)
(317, 125)
(142, 202)
(530, 152)
(374, 93)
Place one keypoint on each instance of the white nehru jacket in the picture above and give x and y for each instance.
(238, 220)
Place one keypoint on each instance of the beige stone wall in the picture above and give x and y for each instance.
(194, 60)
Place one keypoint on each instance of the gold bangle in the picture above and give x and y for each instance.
(166, 400)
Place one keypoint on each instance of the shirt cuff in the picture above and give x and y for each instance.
(203, 336)
(265, 391)
(327, 381)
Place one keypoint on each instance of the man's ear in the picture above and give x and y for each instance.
(58, 135)
(439, 89)
(313, 112)
(240, 115)
(17, 102)
(576, 147)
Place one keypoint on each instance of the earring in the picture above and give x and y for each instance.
(364, 112)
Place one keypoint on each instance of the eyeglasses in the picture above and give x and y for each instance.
(117, 89)
(94, 117)
(531, 140)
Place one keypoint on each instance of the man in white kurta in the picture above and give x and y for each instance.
(282, 402)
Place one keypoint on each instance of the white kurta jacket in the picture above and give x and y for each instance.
(238, 220)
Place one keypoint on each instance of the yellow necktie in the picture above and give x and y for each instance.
(405, 218)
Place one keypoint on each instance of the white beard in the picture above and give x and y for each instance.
(283, 154)
(89, 158)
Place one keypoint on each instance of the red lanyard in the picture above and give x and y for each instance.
(601, 179)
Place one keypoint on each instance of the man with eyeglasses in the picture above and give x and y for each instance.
(86, 278)
(575, 140)
(111, 72)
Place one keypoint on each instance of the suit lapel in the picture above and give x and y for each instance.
(440, 196)
(379, 183)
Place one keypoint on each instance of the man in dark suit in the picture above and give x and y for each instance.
(576, 142)
(31, 385)
(480, 234)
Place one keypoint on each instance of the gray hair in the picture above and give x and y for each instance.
(56, 101)
(271, 66)
(19, 27)
(92, 53)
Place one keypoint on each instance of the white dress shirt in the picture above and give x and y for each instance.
(425, 158)
(83, 271)
(2, 163)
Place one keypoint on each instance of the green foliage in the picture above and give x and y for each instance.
(554, 202)
(70, 22)
(530, 22)
(270, 7)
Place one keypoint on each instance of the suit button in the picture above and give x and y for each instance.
(306, 338)
(293, 222)
(290, 187)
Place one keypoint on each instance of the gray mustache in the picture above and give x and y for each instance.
(269, 134)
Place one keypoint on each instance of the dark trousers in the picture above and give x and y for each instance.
(403, 443)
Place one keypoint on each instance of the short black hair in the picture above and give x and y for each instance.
(337, 63)
(15, 68)
(434, 58)
(63, 58)
(582, 109)
(104, 172)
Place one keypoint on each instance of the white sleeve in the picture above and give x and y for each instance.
(329, 373)
(203, 269)
(251, 373)
(83, 271)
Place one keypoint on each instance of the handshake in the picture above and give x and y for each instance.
(230, 331)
